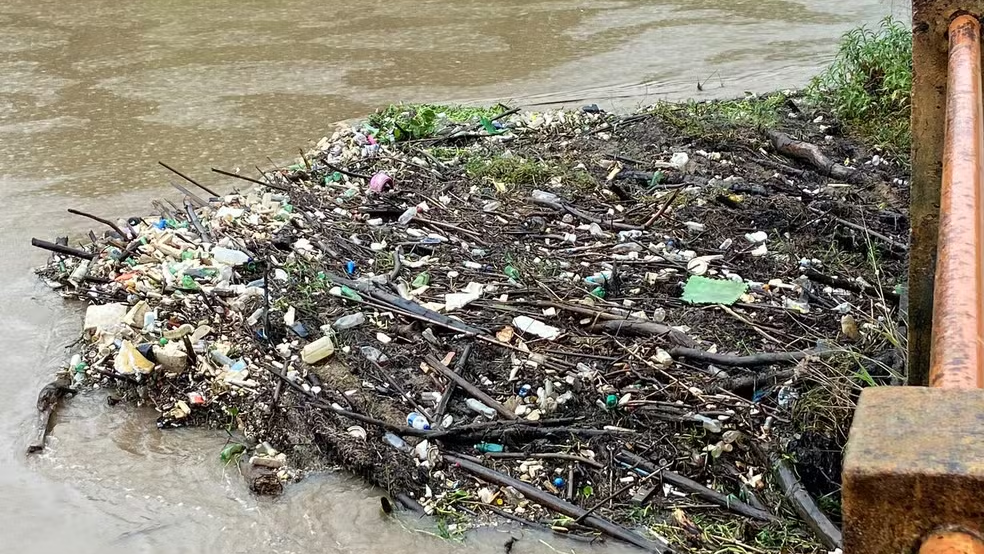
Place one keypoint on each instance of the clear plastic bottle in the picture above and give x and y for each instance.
(407, 215)
(349, 321)
(396, 442)
(480, 408)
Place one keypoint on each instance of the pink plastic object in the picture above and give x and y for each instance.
(379, 181)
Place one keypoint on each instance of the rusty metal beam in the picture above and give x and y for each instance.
(913, 473)
(957, 351)
(930, 20)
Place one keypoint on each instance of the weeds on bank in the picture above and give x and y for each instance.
(505, 171)
(707, 533)
(722, 116)
(399, 122)
(867, 86)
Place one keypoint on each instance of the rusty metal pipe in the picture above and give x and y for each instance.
(957, 356)
(951, 542)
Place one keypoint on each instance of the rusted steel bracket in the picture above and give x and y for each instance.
(914, 465)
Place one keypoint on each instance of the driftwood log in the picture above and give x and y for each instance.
(644, 329)
(811, 153)
(48, 399)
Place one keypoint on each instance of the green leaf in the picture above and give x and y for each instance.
(701, 290)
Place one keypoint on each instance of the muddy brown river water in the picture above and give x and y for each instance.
(94, 92)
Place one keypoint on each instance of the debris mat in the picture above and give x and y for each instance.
(587, 322)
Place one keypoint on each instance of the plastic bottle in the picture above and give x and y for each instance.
(350, 321)
(544, 196)
(418, 421)
(396, 442)
(407, 215)
(373, 354)
(478, 407)
(712, 425)
(486, 447)
(229, 256)
(318, 350)
(222, 358)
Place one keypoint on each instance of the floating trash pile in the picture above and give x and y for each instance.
(589, 323)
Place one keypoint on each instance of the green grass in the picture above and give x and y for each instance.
(867, 86)
(708, 533)
(515, 170)
(722, 116)
(399, 122)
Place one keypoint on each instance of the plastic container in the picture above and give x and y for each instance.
(373, 354)
(479, 408)
(418, 421)
(318, 350)
(396, 442)
(407, 215)
(229, 256)
(350, 321)
(221, 358)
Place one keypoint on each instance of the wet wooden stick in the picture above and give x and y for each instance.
(442, 406)
(809, 152)
(189, 179)
(107, 222)
(643, 467)
(61, 249)
(802, 502)
(469, 388)
(251, 180)
(558, 505)
(545, 456)
(195, 222)
(752, 360)
(197, 199)
(48, 399)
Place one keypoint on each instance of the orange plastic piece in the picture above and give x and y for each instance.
(957, 356)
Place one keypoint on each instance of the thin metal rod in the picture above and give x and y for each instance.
(957, 351)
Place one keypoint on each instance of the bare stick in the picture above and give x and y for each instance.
(189, 179)
(195, 222)
(61, 249)
(545, 456)
(112, 225)
(556, 504)
(250, 179)
(469, 388)
(442, 406)
(197, 199)
(751, 360)
(802, 502)
(888, 240)
(642, 466)
(643, 329)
